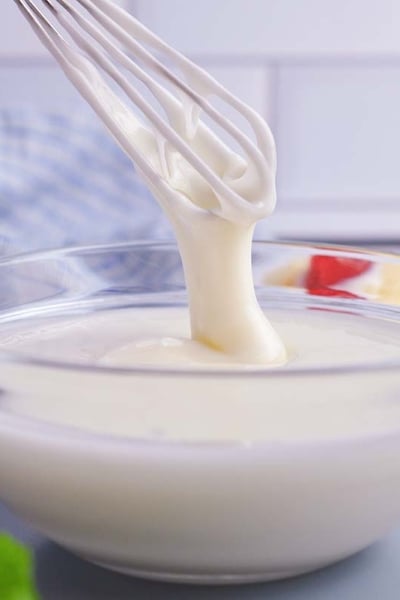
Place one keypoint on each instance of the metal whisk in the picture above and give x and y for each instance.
(95, 42)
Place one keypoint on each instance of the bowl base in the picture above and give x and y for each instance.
(202, 578)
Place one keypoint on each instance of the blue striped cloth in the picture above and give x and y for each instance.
(63, 182)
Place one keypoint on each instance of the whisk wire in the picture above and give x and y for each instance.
(80, 66)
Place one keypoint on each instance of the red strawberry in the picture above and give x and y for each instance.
(325, 271)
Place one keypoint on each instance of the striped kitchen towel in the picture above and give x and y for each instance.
(64, 182)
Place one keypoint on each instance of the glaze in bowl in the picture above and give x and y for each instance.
(199, 510)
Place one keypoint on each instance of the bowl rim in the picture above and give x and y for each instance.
(240, 371)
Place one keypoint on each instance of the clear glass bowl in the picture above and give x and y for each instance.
(200, 510)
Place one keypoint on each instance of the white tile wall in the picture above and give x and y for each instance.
(325, 73)
(17, 38)
(276, 27)
(339, 132)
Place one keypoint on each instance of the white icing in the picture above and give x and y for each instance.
(212, 196)
(204, 407)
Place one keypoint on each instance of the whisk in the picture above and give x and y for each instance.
(98, 42)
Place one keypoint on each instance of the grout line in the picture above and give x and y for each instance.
(231, 60)
(271, 91)
(276, 118)
(325, 204)
(281, 60)
(382, 243)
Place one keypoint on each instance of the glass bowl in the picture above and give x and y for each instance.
(305, 490)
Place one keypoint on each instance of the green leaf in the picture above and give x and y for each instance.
(16, 571)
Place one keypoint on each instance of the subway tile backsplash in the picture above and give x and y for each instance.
(339, 132)
(324, 73)
(276, 27)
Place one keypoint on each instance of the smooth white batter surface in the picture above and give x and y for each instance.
(161, 337)
(207, 407)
